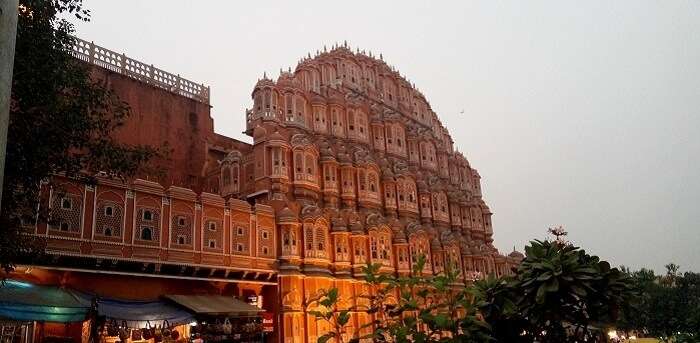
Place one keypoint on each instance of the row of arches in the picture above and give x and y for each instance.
(377, 246)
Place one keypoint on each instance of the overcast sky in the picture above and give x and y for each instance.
(580, 113)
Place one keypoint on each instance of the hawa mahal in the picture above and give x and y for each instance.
(348, 165)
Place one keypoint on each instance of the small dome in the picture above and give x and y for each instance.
(259, 133)
(516, 254)
(264, 82)
(286, 80)
(357, 228)
(387, 174)
(344, 158)
(399, 236)
(336, 98)
(276, 136)
(286, 215)
(317, 99)
(338, 224)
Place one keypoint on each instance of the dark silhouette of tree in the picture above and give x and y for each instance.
(61, 121)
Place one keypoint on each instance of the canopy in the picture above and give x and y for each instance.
(26, 301)
(215, 305)
(142, 314)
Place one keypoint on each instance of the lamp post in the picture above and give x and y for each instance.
(8, 35)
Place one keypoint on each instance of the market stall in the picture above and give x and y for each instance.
(140, 321)
(35, 313)
(222, 318)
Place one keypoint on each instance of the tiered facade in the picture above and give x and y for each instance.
(349, 165)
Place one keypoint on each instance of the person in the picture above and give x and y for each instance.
(198, 339)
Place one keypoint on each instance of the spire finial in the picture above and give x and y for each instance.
(324, 47)
(345, 43)
(290, 69)
(264, 75)
(381, 57)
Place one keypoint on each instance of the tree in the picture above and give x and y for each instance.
(61, 121)
(326, 309)
(562, 291)
(559, 293)
(666, 306)
(410, 308)
(495, 299)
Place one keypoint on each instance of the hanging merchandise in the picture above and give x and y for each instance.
(165, 332)
(136, 334)
(227, 327)
(158, 331)
(123, 332)
(148, 332)
(112, 328)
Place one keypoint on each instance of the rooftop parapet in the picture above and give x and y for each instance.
(120, 63)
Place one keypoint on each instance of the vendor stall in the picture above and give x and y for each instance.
(141, 321)
(222, 318)
(35, 313)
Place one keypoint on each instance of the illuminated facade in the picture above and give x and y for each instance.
(348, 166)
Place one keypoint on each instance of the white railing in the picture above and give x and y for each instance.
(120, 63)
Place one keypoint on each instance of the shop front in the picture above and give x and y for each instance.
(141, 321)
(34, 313)
(222, 318)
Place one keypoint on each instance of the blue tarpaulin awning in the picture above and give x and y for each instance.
(25, 301)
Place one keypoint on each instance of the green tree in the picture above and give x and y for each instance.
(564, 292)
(411, 308)
(666, 306)
(326, 309)
(61, 121)
(495, 298)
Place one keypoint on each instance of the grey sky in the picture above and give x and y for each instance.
(581, 113)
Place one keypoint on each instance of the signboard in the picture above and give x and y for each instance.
(268, 320)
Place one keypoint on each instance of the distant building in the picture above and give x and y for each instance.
(349, 165)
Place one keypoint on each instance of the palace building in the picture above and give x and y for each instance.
(348, 165)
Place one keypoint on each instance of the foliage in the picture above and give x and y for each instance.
(559, 293)
(327, 309)
(496, 302)
(411, 308)
(61, 120)
(667, 306)
(560, 288)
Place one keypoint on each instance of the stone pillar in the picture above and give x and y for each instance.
(8, 35)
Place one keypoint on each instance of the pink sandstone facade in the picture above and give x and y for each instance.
(348, 166)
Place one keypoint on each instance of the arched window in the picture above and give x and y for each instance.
(321, 241)
(310, 166)
(373, 182)
(289, 107)
(329, 176)
(406, 192)
(361, 121)
(300, 109)
(146, 233)
(267, 99)
(373, 247)
(258, 102)
(309, 240)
